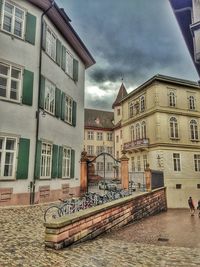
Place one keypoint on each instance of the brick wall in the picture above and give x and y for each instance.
(88, 224)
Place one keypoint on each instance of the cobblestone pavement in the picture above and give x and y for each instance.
(22, 243)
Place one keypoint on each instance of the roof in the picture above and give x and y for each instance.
(99, 119)
(183, 13)
(165, 79)
(62, 22)
(121, 94)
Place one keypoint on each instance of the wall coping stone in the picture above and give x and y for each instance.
(74, 217)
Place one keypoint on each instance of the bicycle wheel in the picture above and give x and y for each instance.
(65, 208)
(52, 213)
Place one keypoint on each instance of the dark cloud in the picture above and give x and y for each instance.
(130, 38)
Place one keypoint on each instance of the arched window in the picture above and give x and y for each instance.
(142, 103)
(143, 129)
(173, 127)
(194, 130)
(172, 99)
(137, 131)
(191, 102)
(132, 133)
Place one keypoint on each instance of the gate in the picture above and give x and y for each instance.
(103, 173)
(137, 181)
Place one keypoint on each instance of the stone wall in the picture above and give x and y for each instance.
(88, 224)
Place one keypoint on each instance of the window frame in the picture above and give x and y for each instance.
(66, 168)
(194, 132)
(142, 103)
(9, 80)
(48, 108)
(137, 131)
(90, 150)
(173, 128)
(50, 48)
(3, 152)
(131, 109)
(197, 162)
(90, 135)
(191, 102)
(43, 168)
(99, 136)
(172, 99)
(14, 18)
(177, 162)
(68, 109)
(143, 130)
(109, 136)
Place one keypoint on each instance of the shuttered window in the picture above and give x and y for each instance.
(30, 28)
(27, 93)
(8, 150)
(54, 171)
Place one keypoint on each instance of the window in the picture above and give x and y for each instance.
(191, 102)
(69, 64)
(49, 104)
(90, 150)
(198, 186)
(66, 163)
(99, 136)
(131, 109)
(177, 162)
(110, 150)
(118, 111)
(13, 19)
(173, 128)
(8, 146)
(138, 164)
(109, 137)
(178, 186)
(100, 149)
(172, 99)
(133, 164)
(90, 135)
(109, 166)
(145, 161)
(137, 131)
(142, 103)
(46, 160)
(51, 44)
(132, 133)
(10, 82)
(100, 166)
(197, 162)
(194, 130)
(117, 154)
(143, 129)
(117, 139)
(68, 109)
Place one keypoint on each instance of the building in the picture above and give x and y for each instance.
(42, 73)
(187, 13)
(160, 124)
(99, 137)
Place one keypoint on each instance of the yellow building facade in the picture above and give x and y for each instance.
(160, 125)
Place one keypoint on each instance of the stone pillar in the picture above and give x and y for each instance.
(147, 174)
(83, 173)
(124, 170)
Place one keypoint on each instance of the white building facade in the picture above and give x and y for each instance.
(42, 75)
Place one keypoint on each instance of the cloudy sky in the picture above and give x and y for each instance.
(133, 39)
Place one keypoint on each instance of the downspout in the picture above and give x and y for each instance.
(32, 185)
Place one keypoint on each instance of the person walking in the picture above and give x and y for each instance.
(191, 206)
(198, 207)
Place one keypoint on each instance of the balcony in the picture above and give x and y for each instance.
(137, 145)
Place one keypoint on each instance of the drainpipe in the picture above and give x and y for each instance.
(32, 183)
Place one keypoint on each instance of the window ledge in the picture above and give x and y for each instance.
(11, 101)
(12, 36)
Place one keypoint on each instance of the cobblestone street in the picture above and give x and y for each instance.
(22, 242)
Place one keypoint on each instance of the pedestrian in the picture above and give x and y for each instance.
(198, 207)
(191, 206)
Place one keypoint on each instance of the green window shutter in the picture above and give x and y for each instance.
(27, 94)
(58, 103)
(74, 114)
(63, 106)
(1, 3)
(42, 92)
(72, 163)
(44, 27)
(60, 159)
(38, 159)
(54, 170)
(75, 70)
(23, 158)
(30, 28)
(58, 52)
(63, 59)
